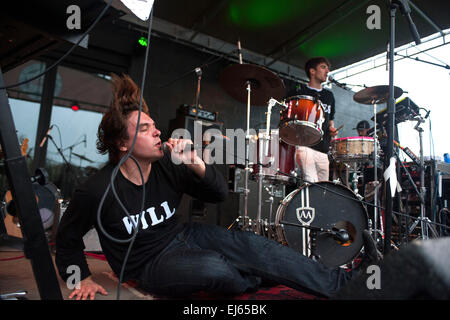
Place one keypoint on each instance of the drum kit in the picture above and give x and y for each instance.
(323, 220)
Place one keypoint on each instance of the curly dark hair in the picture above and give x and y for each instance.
(112, 130)
(314, 62)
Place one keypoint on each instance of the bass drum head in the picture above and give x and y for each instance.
(323, 205)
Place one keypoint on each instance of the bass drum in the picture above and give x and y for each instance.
(323, 205)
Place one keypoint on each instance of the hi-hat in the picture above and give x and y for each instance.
(264, 83)
(376, 94)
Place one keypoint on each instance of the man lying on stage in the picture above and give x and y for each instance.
(169, 258)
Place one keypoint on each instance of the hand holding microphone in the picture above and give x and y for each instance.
(183, 151)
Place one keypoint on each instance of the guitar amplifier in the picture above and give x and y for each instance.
(199, 113)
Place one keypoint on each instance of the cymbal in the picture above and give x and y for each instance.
(81, 157)
(376, 94)
(264, 83)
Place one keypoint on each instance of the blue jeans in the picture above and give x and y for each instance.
(213, 259)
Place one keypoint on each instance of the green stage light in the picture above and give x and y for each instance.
(143, 41)
(264, 13)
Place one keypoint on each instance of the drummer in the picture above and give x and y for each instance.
(362, 127)
(313, 161)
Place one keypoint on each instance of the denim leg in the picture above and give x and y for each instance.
(269, 259)
(184, 268)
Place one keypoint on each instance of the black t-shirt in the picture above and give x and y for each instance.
(159, 223)
(327, 99)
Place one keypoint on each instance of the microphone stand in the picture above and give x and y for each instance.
(393, 5)
(198, 71)
(424, 221)
(67, 163)
(317, 230)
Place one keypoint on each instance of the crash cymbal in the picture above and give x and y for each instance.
(264, 83)
(81, 157)
(376, 94)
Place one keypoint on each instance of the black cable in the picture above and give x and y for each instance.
(117, 168)
(66, 54)
(60, 136)
(205, 64)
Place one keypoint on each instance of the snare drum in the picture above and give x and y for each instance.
(323, 205)
(275, 157)
(352, 149)
(301, 122)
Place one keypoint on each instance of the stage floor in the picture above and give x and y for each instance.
(16, 274)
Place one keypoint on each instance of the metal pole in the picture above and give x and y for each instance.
(375, 175)
(390, 130)
(35, 243)
(423, 224)
(247, 142)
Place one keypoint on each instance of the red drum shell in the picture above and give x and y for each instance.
(301, 122)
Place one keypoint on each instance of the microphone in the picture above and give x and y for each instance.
(341, 235)
(188, 148)
(198, 71)
(427, 115)
(332, 80)
(45, 137)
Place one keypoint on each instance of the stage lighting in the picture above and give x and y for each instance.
(143, 41)
(141, 8)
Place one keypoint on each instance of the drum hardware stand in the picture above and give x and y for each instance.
(247, 141)
(272, 234)
(355, 178)
(259, 228)
(425, 222)
(375, 172)
(312, 236)
(340, 235)
(393, 5)
(270, 201)
(265, 84)
(263, 151)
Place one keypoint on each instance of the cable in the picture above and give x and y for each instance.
(116, 170)
(66, 54)
(12, 258)
(208, 62)
(60, 136)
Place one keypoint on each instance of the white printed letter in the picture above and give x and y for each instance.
(374, 20)
(74, 20)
